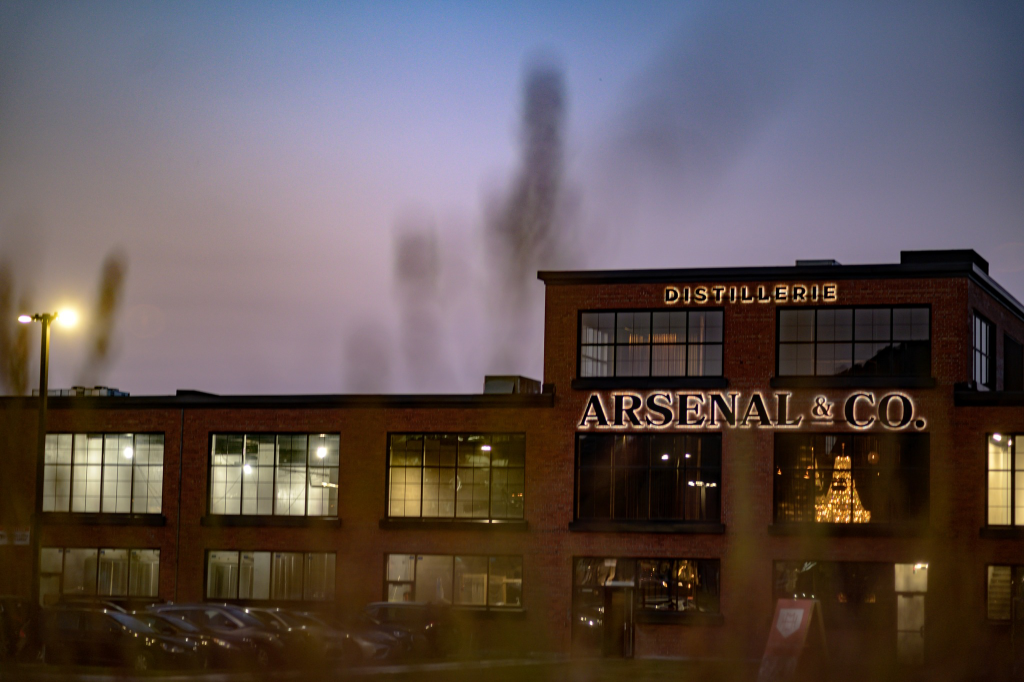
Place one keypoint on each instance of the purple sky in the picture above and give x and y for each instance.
(253, 161)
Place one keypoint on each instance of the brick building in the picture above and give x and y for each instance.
(704, 442)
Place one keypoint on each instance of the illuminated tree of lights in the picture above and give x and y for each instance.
(841, 499)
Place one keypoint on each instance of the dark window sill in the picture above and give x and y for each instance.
(656, 617)
(84, 519)
(852, 530)
(599, 383)
(1002, 532)
(604, 526)
(454, 524)
(853, 382)
(218, 521)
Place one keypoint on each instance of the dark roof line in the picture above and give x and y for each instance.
(196, 399)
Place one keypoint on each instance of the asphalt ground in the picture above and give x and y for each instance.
(519, 670)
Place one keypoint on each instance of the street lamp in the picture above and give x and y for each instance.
(67, 318)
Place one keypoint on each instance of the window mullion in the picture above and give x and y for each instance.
(423, 471)
(131, 495)
(273, 501)
(686, 345)
(814, 343)
(615, 344)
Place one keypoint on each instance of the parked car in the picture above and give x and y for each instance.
(316, 641)
(367, 643)
(435, 629)
(15, 612)
(216, 650)
(263, 646)
(79, 636)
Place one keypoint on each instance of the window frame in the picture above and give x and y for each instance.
(103, 464)
(650, 345)
(1016, 580)
(894, 478)
(275, 478)
(96, 594)
(852, 342)
(270, 599)
(486, 606)
(454, 518)
(1014, 471)
(987, 355)
(650, 469)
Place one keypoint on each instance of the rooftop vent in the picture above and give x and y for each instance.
(945, 256)
(510, 384)
(825, 262)
(82, 391)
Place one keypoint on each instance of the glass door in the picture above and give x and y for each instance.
(911, 588)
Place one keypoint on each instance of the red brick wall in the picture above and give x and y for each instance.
(953, 547)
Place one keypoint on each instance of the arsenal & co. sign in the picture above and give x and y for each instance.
(712, 410)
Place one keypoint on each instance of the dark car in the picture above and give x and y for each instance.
(435, 628)
(262, 646)
(109, 638)
(313, 639)
(367, 642)
(15, 612)
(216, 651)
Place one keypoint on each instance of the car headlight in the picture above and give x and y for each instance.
(171, 648)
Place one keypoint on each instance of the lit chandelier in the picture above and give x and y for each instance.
(842, 498)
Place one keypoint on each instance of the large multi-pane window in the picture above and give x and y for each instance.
(103, 572)
(677, 585)
(645, 477)
(891, 342)
(481, 581)
(1005, 480)
(1005, 593)
(669, 343)
(118, 473)
(662, 589)
(983, 353)
(274, 474)
(284, 576)
(851, 478)
(456, 476)
(851, 593)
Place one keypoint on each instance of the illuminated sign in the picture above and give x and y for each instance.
(712, 410)
(752, 293)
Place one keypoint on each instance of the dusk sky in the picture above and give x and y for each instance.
(254, 161)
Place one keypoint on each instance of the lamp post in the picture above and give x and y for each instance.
(45, 319)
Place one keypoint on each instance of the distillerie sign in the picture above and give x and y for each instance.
(752, 293)
(715, 410)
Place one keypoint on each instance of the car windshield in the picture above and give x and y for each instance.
(131, 622)
(297, 619)
(179, 623)
(244, 617)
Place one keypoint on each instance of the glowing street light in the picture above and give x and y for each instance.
(68, 318)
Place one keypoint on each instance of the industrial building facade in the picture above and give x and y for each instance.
(704, 442)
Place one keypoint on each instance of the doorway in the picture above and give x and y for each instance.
(603, 607)
(911, 588)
